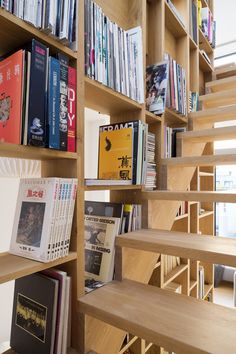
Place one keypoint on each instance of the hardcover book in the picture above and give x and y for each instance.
(156, 85)
(63, 101)
(34, 315)
(11, 97)
(71, 109)
(53, 104)
(100, 233)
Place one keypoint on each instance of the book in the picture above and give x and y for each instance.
(156, 87)
(11, 97)
(63, 127)
(100, 233)
(34, 315)
(53, 104)
(37, 92)
(103, 182)
(71, 109)
(116, 154)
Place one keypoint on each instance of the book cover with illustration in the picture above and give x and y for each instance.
(11, 96)
(34, 315)
(156, 87)
(34, 220)
(116, 154)
(100, 233)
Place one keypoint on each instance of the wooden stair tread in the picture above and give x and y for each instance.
(222, 84)
(219, 250)
(202, 196)
(175, 322)
(224, 71)
(217, 99)
(218, 114)
(204, 160)
(209, 135)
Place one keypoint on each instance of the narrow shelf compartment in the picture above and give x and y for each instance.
(192, 284)
(15, 32)
(36, 153)
(204, 43)
(107, 101)
(113, 187)
(205, 214)
(192, 43)
(152, 118)
(173, 118)
(14, 267)
(180, 217)
(207, 289)
(175, 273)
(204, 65)
(173, 23)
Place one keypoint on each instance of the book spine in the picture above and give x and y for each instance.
(70, 217)
(71, 109)
(53, 221)
(37, 95)
(53, 104)
(63, 101)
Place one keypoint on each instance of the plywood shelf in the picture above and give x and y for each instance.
(173, 23)
(31, 152)
(206, 174)
(180, 217)
(192, 43)
(15, 32)
(206, 214)
(207, 289)
(192, 285)
(13, 267)
(174, 118)
(175, 273)
(204, 43)
(205, 66)
(107, 101)
(152, 118)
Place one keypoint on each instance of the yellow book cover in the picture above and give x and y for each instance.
(116, 154)
(199, 13)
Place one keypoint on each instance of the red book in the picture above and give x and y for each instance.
(11, 96)
(71, 109)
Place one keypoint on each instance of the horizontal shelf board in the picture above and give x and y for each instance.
(206, 174)
(180, 217)
(206, 196)
(169, 320)
(222, 84)
(192, 285)
(107, 101)
(204, 65)
(204, 43)
(173, 118)
(15, 32)
(203, 160)
(192, 43)
(31, 152)
(173, 23)
(213, 115)
(217, 99)
(225, 70)
(115, 187)
(207, 289)
(206, 214)
(175, 273)
(14, 267)
(152, 118)
(209, 135)
(204, 248)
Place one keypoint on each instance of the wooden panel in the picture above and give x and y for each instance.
(219, 250)
(222, 84)
(209, 160)
(14, 267)
(118, 12)
(209, 135)
(215, 114)
(172, 22)
(217, 99)
(163, 321)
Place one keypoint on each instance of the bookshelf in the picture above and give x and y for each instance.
(162, 32)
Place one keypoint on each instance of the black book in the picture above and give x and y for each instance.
(37, 94)
(194, 21)
(34, 315)
(64, 62)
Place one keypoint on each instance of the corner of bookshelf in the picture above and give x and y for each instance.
(172, 22)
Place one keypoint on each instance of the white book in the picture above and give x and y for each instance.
(100, 233)
(33, 218)
(64, 216)
(70, 216)
(53, 224)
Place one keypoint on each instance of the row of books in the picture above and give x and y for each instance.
(151, 173)
(103, 222)
(122, 154)
(41, 318)
(43, 218)
(193, 21)
(193, 101)
(38, 99)
(113, 56)
(170, 141)
(206, 23)
(56, 18)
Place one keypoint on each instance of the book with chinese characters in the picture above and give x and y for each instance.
(11, 97)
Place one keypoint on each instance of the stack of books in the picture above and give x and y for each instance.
(177, 89)
(103, 222)
(42, 313)
(56, 18)
(151, 174)
(43, 218)
(38, 99)
(207, 24)
(122, 154)
(170, 141)
(113, 56)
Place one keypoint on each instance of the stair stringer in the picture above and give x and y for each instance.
(138, 265)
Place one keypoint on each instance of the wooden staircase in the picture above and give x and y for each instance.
(176, 322)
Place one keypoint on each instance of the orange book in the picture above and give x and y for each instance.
(11, 95)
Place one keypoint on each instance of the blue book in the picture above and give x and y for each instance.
(54, 104)
(37, 94)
